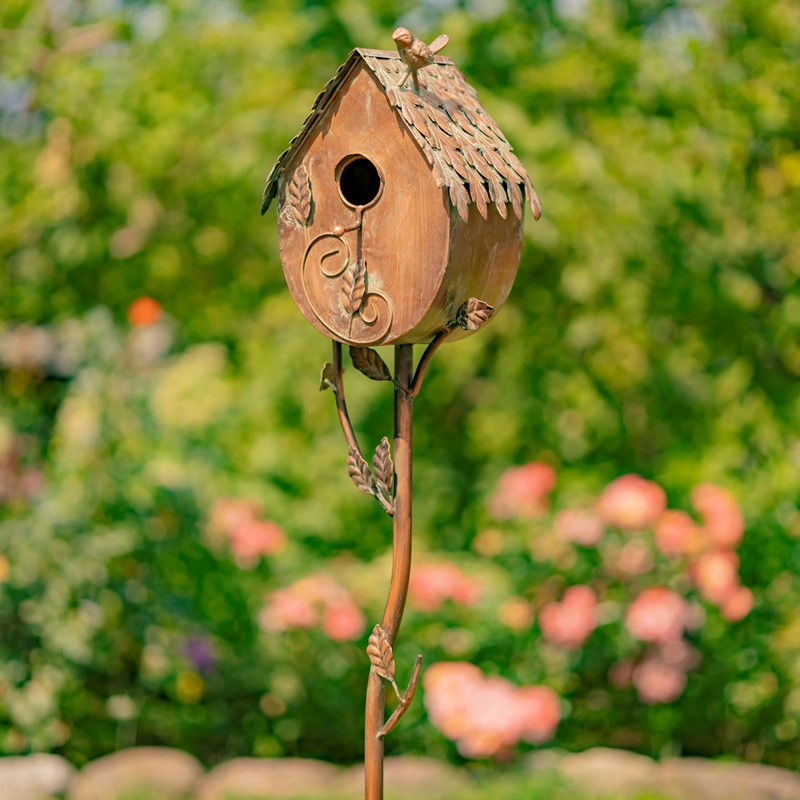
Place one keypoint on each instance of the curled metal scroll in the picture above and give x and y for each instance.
(366, 314)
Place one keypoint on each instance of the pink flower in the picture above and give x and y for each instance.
(540, 713)
(676, 534)
(738, 605)
(569, 622)
(286, 609)
(523, 492)
(229, 513)
(343, 621)
(657, 615)
(317, 599)
(631, 502)
(487, 716)
(716, 575)
(256, 538)
(722, 518)
(634, 558)
(658, 682)
(579, 525)
(432, 584)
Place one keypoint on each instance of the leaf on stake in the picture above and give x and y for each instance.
(299, 191)
(473, 314)
(384, 468)
(369, 363)
(326, 377)
(380, 653)
(358, 470)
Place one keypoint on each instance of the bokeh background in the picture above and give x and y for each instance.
(607, 475)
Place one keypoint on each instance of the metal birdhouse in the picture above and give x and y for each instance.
(400, 215)
(398, 200)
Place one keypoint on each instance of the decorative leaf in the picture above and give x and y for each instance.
(359, 473)
(299, 191)
(380, 653)
(384, 468)
(354, 287)
(369, 363)
(326, 377)
(474, 314)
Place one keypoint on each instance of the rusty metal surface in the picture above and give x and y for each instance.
(466, 150)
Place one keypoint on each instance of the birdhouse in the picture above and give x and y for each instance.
(397, 201)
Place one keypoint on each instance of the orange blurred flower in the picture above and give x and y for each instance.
(723, 522)
(579, 525)
(432, 584)
(144, 311)
(569, 622)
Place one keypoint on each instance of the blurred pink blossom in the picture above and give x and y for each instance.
(432, 584)
(579, 525)
(658, 682)
(716, 575)
(236, 520)
(723, 522)
(486, 716)
(316, 599)
(569, 622)
(679, 653)
(229, 513)
(634, 558)
(285, 609)
(540, 712)
(676, 534)
(256, 538)
(657, 615)
(343, 621)
(523, 492)
(631, 502)
(738, 605)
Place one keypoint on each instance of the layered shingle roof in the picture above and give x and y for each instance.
(463, 145)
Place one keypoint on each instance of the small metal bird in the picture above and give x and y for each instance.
(415, 53)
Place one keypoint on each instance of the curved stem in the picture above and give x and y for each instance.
(341, 405)
(401, 567)
(430, 350)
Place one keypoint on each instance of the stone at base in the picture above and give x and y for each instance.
(267, 778)
(167, 772)
(34, 777)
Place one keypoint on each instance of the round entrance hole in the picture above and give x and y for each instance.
(359, 181)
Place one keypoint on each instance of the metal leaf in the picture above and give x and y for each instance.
(354, 286)
(384, 468)
(474, 314)
(369, 363)
(380, 653)
(299, 192)
(359, 473)
(326, 377)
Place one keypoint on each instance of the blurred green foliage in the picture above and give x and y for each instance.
(653, 329)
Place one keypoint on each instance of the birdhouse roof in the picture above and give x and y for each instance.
(463, 145)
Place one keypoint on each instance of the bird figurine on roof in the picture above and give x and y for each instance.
(415, 53)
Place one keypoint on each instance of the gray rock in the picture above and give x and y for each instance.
(703, 779)
(34, 777)
(408, 777)
(605, 771)
(166, 772)
(267, 778)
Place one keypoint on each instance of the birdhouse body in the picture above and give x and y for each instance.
(382, 238)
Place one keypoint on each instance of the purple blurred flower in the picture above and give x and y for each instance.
(199, 651)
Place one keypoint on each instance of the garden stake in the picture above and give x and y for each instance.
(379, 247)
